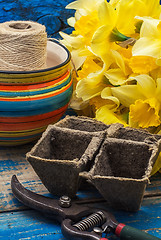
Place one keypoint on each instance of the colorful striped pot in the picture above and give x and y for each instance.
(31, 100)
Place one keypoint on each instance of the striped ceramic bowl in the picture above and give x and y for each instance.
(30, 101)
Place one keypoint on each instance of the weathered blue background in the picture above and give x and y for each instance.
(51, 13)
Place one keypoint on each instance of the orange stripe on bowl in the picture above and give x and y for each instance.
(51, 82)
(43, 96)
(30, 125)
(32, 118)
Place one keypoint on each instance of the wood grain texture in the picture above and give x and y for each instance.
(12, 161)
(30, 224)
(18, 222)
(51, 13)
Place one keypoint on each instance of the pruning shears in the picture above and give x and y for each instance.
(78, 222)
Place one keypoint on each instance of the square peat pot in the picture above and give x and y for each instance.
(118, 131)
(82, 123)
(121, 171)
(116, 160)
(60, 155)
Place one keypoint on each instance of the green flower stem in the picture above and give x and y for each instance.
(117, 36)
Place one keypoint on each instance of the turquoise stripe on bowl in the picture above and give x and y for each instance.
(34, 92)
(36, 104)
(33, 112)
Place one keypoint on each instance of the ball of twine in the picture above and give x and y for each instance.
(22, 46)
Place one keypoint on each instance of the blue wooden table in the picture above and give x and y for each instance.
(18, 222)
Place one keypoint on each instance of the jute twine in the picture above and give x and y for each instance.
(22, 46)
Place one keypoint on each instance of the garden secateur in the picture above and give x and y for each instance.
(78, 222)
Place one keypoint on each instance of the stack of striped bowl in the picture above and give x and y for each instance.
(30, 101)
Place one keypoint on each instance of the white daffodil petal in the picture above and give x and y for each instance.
(71, 21)
(79, 13)
(127, 94)
(76, 59)
(149, 27)
(75, 5)
(74, 41)
(147, 47)
(88, 5)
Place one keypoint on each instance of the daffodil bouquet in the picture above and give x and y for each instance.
(116, 53)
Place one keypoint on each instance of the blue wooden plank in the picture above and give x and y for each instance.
(28, 225)
(13, 161)
(33, 225)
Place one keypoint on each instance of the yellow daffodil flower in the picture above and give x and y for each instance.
(107, 22)
(114, 2)
(109, 112)
(107, 94)
(145, 113)
(84, 7)
(116, 50)
(150, 8)
(128, 9)
(142, 99)
(142, 64)
(95, 82)
(147, 50)
(90, 65)
(108, 116)
(117, 23)
(99, 102)
(75, 46)
(86, 26)
(90, 86)
(120, 74)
